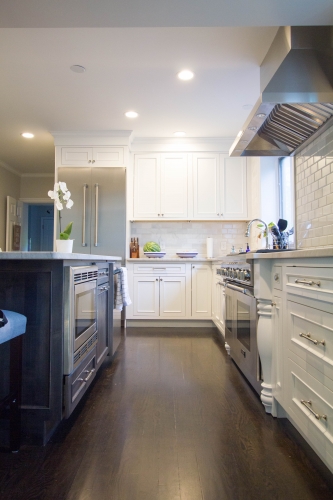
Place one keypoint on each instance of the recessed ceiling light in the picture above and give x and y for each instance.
(131, 114)
(27, 135)
(260, 115)
(179, 134)
(77, 68)
(253, 128)
(185, 74)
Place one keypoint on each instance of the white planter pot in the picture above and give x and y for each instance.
(64, 246)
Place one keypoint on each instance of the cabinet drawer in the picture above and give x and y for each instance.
(78, 382)
(312, 282)
(311, 336)
(311, 408)
(159, 269)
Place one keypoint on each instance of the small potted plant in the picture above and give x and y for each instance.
(62, 197)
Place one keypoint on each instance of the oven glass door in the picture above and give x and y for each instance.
(85, 312)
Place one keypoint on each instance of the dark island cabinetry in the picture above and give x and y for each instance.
(35, 288)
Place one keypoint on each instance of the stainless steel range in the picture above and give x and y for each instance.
(241, 318)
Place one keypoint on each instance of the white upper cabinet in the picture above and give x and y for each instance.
(83, 156)
(233, 187)
(189, 186)
(160, 186)
(219, 187)
(206, 196)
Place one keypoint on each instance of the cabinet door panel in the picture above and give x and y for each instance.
(108, 157)
(146, 186)
(206, 186)
(233, 188)
(174, 182)
(76, 156)
(201, 291)
(172, 297)
(146, 296)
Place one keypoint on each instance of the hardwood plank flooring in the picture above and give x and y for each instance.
(171, 418)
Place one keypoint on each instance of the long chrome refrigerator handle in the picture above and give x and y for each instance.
(84, 244)
(96, 215)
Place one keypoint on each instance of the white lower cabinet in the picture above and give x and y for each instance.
(174, 290)
(159, 297)
(218, 302)
(302, 348)
(201, 275)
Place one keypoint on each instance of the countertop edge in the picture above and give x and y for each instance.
(56, 256)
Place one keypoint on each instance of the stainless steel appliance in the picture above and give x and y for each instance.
(117, 318)
(296, 84)
(99, 210)
(241, 319)
(80, 332)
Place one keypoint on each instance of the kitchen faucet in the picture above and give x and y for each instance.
(247, 232)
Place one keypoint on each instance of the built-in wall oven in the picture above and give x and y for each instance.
(241, 319)
(80, 332)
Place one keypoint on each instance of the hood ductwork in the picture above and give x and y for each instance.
(296, 82)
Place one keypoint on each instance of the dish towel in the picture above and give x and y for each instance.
(122, 294)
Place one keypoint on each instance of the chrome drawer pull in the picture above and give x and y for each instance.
(307, 282)
(314, 341)
(307, 405)
(90, 372)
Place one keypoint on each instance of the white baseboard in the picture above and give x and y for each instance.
(170, 323)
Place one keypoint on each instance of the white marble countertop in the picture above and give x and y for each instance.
(55, 256)
(294, 254)
(287, 254)
(171, 259)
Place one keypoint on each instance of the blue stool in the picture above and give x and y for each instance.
(12, 326)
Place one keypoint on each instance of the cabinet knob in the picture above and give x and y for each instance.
(162, 215)
(156, 279)
(161, 279)
(276, 277)
(159, 215)
(93, 161)
(217, 214)
(89, 161)
(193, 267)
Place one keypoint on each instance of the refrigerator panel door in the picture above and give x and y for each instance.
(78, 180)
(108, 217)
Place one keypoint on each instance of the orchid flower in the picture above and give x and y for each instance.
(62, 196)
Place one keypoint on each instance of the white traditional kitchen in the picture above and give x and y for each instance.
(182, 348)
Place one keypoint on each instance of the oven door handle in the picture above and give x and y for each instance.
(238, 289)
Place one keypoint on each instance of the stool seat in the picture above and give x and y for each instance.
(16, 326)
(12, 326)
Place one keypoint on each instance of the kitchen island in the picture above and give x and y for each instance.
(33, 284)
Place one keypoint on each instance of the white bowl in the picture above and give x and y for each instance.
(156, 255)
(184, 255)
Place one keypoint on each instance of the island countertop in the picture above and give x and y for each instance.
(56, 256)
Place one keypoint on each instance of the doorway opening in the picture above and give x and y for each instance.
(40, 227)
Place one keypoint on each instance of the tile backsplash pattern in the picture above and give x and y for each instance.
(314, 192)
(176, 236)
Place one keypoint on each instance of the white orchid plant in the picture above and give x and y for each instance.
(62, 197)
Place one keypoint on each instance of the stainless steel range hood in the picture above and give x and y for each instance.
(296, 84)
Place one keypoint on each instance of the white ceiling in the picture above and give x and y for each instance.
(132, 67)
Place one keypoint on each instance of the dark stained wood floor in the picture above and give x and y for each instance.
(171, 419)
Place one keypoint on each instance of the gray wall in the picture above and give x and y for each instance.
(9, 186)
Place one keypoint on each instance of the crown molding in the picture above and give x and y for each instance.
(92, 137)
(38, 175)
(10, 169)
(184, 144)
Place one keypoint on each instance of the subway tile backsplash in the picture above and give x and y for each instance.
(314, 192)
(176, 236)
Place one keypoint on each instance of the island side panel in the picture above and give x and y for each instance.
(35, 288)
